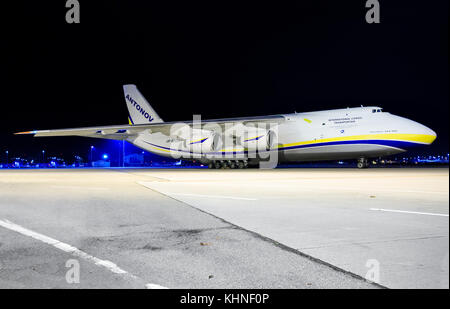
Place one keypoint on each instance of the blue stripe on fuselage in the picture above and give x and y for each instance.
(402, 145)
(390, 143)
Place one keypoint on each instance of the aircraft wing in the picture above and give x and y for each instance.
(108, 132)
(120, 132)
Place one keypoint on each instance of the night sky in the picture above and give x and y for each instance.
(218, 59)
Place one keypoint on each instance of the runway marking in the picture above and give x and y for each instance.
(385, 190)
(146, 184)
(214, 196)
(151, 286)
(410, 212)
(411, 191)
(79, 188)
(72, 250)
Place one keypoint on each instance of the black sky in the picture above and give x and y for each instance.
(218, 59)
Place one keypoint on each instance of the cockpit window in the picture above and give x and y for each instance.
(377, 110)
(374, 110)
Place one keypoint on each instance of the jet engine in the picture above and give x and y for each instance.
(196, 140)
(256, 139)
(204, 142)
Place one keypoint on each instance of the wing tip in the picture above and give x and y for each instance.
(25, 132)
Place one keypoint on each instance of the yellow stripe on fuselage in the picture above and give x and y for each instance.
(414, 138)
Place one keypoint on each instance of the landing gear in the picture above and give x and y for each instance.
(363, 163)
(241, 164)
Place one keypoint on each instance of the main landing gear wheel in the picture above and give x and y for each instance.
(363, 163)
(228, 164)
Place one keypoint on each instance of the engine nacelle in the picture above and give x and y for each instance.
(205, 142)
(258, 139)
(195, 140)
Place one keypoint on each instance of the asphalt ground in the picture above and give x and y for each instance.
(284, 228)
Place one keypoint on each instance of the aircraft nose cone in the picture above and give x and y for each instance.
(429, 133)
(434, 134)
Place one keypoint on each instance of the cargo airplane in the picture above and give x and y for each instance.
(357, 133)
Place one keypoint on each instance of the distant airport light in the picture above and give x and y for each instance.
(105, 156)
(91, 153)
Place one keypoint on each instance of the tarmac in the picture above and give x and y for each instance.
(196, 228)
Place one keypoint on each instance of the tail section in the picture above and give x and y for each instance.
(140, 111)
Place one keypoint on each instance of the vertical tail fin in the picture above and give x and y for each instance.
(140, 111)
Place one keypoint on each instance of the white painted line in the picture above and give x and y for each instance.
(79, 188)
(214, 196)
(149, 185)
(151, 286)
(69, 249)
(416, 191)
(410, 212)
(370, 190)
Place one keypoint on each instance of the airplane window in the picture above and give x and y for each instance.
(379, 111)
(374, 110)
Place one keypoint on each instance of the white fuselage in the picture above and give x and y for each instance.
(351, 133)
